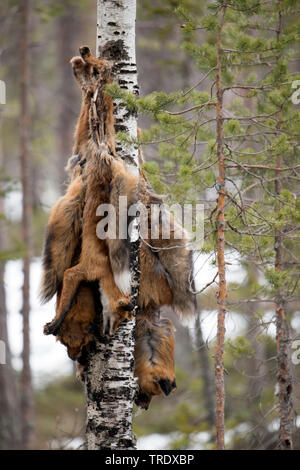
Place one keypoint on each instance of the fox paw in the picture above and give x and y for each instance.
(52, 328)
(142, 400)
(167, 386)
(77, 64)
(84, 51)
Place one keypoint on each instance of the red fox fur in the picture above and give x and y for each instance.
(63, 235)
(75, 331)
(61, 251)
(90, 73)
(166, 276)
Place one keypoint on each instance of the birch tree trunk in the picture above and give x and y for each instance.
(26, 383)
(109, 380)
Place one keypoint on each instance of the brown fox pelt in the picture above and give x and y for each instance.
(63, 231)
(99, 171)
(63, 235)
(166, 265)
(154, 358)
(74, 257)
(94, 262)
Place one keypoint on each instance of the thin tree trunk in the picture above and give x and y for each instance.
(284, 375)
(219, 372)
(110, 382)
(9, 404)
(26, 383)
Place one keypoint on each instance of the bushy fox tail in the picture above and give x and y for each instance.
(62, 238)
(124, 193)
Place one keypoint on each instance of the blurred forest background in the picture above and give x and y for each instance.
(176, 50)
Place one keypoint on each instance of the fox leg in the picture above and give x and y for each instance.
(103, 68)
(154, 358)
(72, 278)
(117, 307)
(86, 82)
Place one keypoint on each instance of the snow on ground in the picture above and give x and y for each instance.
(164, 441)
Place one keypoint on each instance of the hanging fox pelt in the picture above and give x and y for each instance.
(166, 274)
(75, 259)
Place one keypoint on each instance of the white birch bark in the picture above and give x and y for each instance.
(116, 42)
(109, 380)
